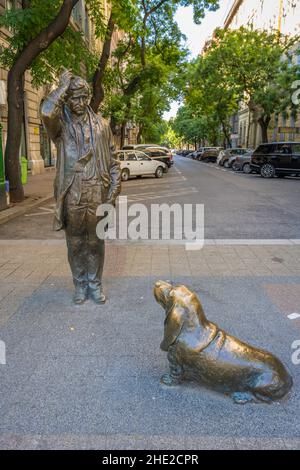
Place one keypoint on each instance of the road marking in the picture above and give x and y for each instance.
(148, 197)
(149, 183)
(43, 211)
(294, 316)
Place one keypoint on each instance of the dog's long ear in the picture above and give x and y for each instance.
(173, 326)
(199, 309)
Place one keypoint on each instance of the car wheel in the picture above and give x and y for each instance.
(226, 164)
(247, 169)
(267, 171)
(125, 174)
(159, 172)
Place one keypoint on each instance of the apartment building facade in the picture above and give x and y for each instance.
(35, 144)
(271, 15)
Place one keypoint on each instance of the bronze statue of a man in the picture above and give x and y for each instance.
(88, 174)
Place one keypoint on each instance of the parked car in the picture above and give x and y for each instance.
(136, 163)
(195, 155)
(141, 146)
(201, 151)
(243, 162)
(277, 159)
(209, 154)
(225, 155)
(154, 151)
(160, 154)
(232, 159)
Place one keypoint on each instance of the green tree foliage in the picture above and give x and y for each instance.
(257, 67)
(29, 22)
(245, 65)
(195, 127)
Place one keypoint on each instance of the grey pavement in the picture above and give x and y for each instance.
(89, 377)
(38, 190)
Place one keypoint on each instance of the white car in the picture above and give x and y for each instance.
(136, 163)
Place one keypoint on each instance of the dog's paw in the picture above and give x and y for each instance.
(168, 380)
(241, 398)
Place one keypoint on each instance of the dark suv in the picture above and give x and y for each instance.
(279, 158)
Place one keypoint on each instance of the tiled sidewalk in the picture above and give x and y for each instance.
(38, 190)
(25, 265)
(89, 377)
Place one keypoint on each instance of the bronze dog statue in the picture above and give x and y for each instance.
(199, 350)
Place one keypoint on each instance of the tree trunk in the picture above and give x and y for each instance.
(226, 135)
(143, 47)
(15, 94)
(16, 90)
(113, 125)
(98, 89)
(264, 125)
(124, 123)
(123, 131)
(139, 136)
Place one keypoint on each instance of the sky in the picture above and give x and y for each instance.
(198, 34)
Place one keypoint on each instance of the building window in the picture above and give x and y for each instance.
(77, 14)
(10, 4)
(284, 120)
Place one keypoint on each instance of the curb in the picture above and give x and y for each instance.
(9, 214)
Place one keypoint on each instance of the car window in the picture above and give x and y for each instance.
(130, 156)
(142, 156)
(264, 149)
(284, 149)
(296, 148)
(121, 156)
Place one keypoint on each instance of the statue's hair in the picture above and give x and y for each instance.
(78, 83)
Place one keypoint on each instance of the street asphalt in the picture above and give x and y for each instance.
(237, 206)
(89, 377)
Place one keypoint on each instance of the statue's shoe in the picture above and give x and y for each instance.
(80, 295)
(97, 296)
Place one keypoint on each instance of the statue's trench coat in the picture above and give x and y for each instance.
(57, 120)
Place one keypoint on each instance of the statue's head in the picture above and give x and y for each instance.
(78, 96)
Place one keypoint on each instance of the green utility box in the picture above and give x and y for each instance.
(3, 204)
(24, 169)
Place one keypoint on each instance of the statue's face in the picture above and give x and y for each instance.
(78, 102)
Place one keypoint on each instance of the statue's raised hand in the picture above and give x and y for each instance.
(65, 79)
